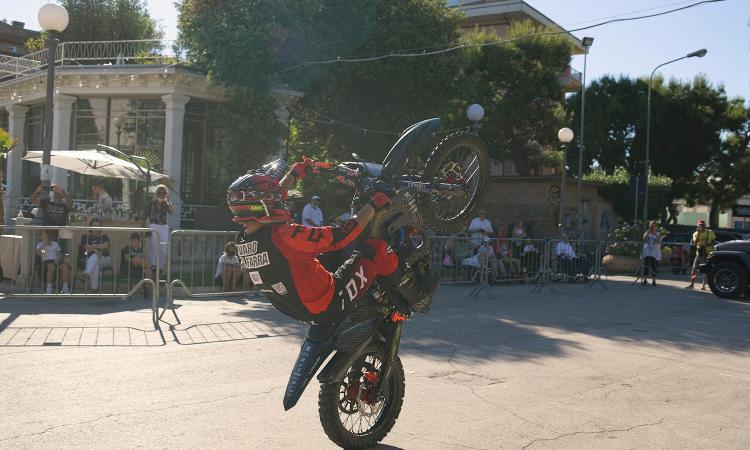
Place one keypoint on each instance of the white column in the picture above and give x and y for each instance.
(173, 148)
(62, 112)
(14, 174)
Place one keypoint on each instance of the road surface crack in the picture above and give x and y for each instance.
(614, 430)
(147, 411)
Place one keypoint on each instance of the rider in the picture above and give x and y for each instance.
(281, 258)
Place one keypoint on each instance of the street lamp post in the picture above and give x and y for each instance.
(587, 42)
(698, 53)
(565, 135)
(51, 17)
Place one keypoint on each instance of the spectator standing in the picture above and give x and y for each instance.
(704, 240)
(94, 253)
(49, 254)
(55, 210)
(312, 214)
(651, 252)
(479, 228)
(133, 260)
(103, 205)
(157, 212)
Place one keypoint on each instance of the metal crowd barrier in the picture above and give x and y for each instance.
(509, 260)
(193, 261)
(118, 271)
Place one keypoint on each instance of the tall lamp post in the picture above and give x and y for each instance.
(565, 135)
(587, 42)
(698, 53)
(51, 17)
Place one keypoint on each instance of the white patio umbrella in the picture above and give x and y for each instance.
(96, 163)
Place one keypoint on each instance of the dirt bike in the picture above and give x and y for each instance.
(362, 384)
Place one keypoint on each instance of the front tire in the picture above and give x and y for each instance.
(357, 413)
(727, 280)
(460, 157)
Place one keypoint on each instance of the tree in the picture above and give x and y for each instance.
(385, 96)
(685, 126)
(725, 176)
(518, 83)
(617, 188)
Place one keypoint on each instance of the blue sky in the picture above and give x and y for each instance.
(630, 48)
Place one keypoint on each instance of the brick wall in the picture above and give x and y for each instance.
(535, 201)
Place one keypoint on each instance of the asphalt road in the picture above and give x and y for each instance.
(627, 367)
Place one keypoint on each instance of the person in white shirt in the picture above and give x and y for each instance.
(312, 215)
(570, 262)
(49, 253)
(479, 228)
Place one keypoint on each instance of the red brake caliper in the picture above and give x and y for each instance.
(369, 394)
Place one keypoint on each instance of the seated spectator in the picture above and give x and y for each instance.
(133, 262)
(228, 268)
(94, 253)
(530, 258)
(569, 262)
(504, 253)
(485, 257)
(49, 253)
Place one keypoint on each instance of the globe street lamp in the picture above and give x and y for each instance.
(587, 43)
(698, 53)
(565, 135)
(52, 17)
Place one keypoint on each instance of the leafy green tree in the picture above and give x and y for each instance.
(725, 176)
(616, 187)
(387, 95)
(686, 123)
(518, 83)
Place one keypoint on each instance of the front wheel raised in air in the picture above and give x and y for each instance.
(459, 159)
(358, 410)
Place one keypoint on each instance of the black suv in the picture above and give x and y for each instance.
(728, 269)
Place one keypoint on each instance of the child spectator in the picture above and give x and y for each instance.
(133, 260)
(49, 253)
(228, 268)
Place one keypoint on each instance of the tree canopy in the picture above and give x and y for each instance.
(104, 20)
(689, 124)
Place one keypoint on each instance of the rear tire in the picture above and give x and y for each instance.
(464, 154)
(727, 280)
(339, 402)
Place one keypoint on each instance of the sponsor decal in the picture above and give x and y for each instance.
(256, 208)
(352, 290)
(279, 288)
(270, 291)
(247, 248)
(254, 261)
(255, 277)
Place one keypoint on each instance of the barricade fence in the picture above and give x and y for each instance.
(102, 262)
(204, 263)
(88, 262)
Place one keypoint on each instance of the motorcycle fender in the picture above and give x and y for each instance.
(311, 357)
(340, 363)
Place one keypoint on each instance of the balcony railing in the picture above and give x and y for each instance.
(149, 51)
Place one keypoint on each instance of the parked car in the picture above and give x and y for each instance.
(728, 269)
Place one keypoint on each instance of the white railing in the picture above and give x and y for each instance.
(146, 51)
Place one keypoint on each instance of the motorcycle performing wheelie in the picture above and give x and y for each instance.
(356, 311)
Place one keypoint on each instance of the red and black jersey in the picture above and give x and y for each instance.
(282, 262)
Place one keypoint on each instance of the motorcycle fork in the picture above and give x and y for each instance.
(392, 342)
